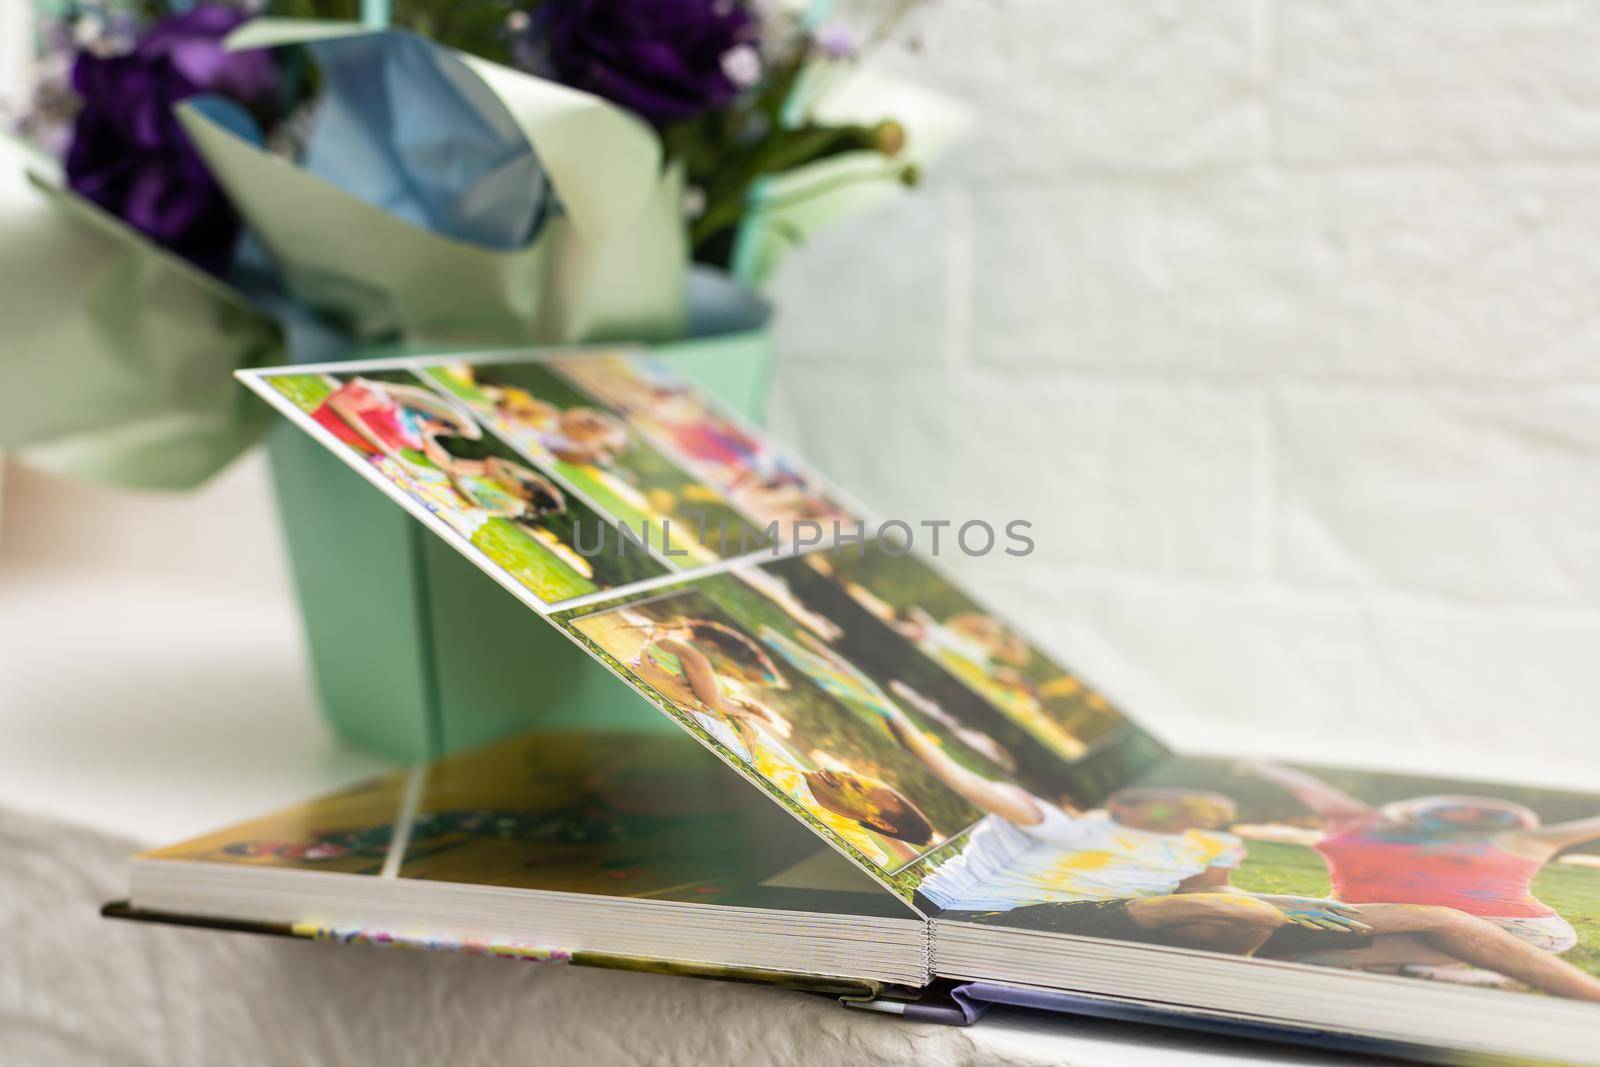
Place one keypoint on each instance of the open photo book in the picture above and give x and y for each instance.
(870, 778)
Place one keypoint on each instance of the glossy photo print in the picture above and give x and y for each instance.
(889, 664)
(976, 646)
(862, 690)
(603, 458)
(839, 717)
(430, 452)
(712, 662)
(1468, 883)
(763, 482)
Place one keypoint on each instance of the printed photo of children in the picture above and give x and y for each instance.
(429, 447)
(1052, 705)
(773, 698)
(860, 655)
(764, 484)
(1380, 873)
(597, 455)
(778, 666)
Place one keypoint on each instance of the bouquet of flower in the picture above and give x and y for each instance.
(722, 82)
(207, 189)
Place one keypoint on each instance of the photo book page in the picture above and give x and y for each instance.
(594, 814)
(1468, 884)
(770, 616)
(913, 727)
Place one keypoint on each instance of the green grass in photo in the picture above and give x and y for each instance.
(642, 489)
(529, 562)
(904, 581)
(304, 391)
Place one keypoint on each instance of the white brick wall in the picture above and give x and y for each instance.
(1278, 318)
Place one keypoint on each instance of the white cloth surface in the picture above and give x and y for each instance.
(134, 715)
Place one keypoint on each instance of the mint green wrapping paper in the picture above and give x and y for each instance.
(118, 358)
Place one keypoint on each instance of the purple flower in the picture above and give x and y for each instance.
(837, 42)
(129, 154)
(664, 59)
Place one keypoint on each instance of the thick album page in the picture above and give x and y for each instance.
(646, 817)
(882, 729)
(1457, 883)
(774, 619)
